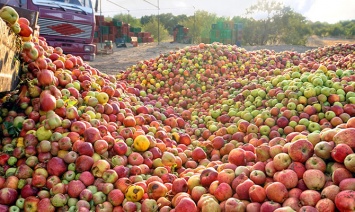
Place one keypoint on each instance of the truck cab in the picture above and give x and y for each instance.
(69, 24)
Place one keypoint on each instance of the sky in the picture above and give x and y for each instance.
(330, 11)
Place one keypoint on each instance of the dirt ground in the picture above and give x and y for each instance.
(118, 59)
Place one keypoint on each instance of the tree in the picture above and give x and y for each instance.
(158, 33)
(249, 28)
(292, 27)
(320, 29)
(167, 19)
(266, 24)
(199, 25)
(337, 30)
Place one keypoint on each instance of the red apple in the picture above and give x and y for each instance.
(237, 157)
(8, 196)
(83, 163)
(92, 134)
(288, 177)
(310, 197)
(276, 192)
(233, 204)
(300, 150)
(76, 186)
(314, 179)
(345, 201)
(257, 193)
(207, 176)
(56, 166)
(115, 197)
(340, 151)
(179, 185)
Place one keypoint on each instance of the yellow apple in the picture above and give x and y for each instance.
(102, 97)
(43, 134)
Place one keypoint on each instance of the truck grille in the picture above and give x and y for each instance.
(64, 28)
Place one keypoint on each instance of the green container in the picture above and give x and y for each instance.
(215, 40)
(220, 24)
(227, 33)
(140, 39)
(105, 30)
(117, 22)
(213, 33)
(179, 37)
(127, 38)
(180, 33)
(238, 26)
(135, 29)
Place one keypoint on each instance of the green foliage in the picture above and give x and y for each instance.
(157, 30)
(127, 18)
(341, 29)
(279, 25)
(292, 27)
(168, 20)
(12, 129)
(199, 25)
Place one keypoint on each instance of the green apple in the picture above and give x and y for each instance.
(247, 116)
(213, 128)
(313, 127)
(309, 92)
(43, 134)
(295, 75)
(329, 115)
(304, 121)
(250, 98)
(292, 124)
(76, 84)
(300, 108)
(291, 106)
(264, 130)
(14, 208)
(16, 28)
(322, 98)
(215, 113)
(20, 202)
(231, 129)
(337, 85)
(317, 81)
(262, 93)
(18, 120)
(318, 107)
(280, 96)
(9, 15)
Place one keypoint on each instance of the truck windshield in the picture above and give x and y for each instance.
(83, 4)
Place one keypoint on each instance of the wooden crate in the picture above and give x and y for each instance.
(10, 45)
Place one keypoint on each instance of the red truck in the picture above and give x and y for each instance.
(69, 24)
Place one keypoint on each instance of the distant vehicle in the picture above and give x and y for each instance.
(69, 24)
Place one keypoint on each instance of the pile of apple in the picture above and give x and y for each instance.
(209, 127)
